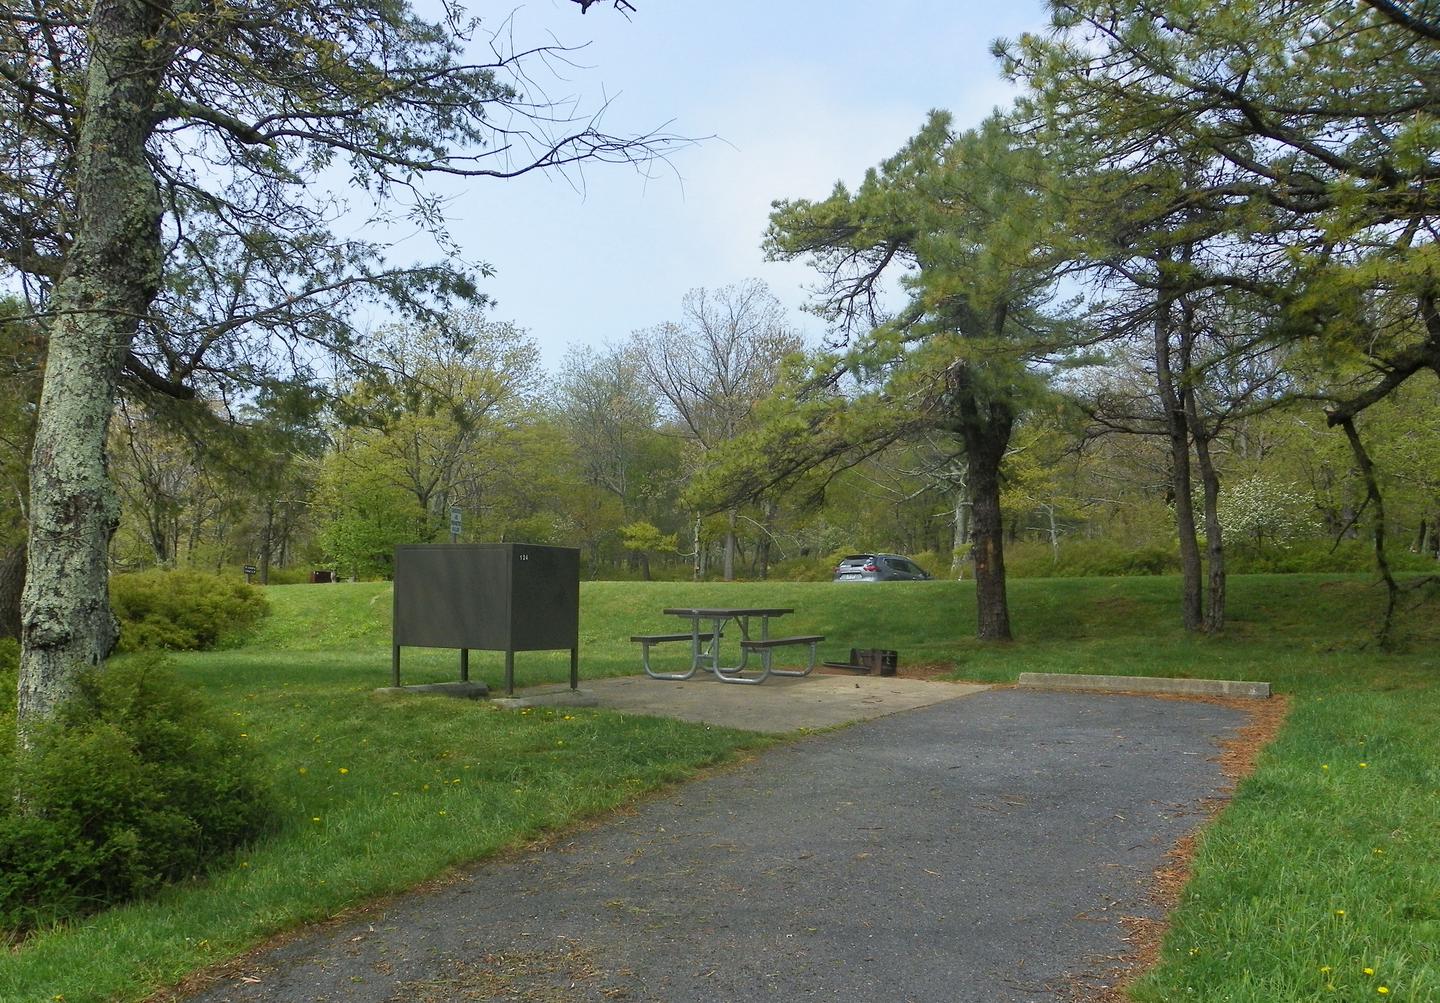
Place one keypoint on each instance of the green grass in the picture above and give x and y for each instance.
(430, 783)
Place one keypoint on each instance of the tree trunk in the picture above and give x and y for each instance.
(730, 545)
(962, 530)
(699, 554)
(111, 273)
(1209, 480)
(1375, 501)
(12, 581)
(986, 449)
(1177, 429)
(1214, 534)
(762, 549)
(984, 427)
(1054, 537)
(267, 543)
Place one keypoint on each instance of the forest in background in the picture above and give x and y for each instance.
(601, 456)
(1174, 309)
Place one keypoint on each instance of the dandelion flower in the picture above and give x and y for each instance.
(315, 819)
(1368, 971)
(343, 771)
(1339, 912)
(1382, 990)
(1363, 765)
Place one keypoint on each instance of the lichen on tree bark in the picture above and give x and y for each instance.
(110, 276)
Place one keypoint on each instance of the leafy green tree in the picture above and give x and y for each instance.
(645, 539)
(712, 369)
(610, 413)
(965, 213)
(1298, 140)
(159, 199)
(439, 393)
(363, 513)
(1041, 485)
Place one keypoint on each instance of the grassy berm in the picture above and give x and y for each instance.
(1318, 882)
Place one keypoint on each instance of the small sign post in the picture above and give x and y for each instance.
(250, 570)
(455, 524)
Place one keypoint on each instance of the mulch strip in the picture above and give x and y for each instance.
(1239, 754)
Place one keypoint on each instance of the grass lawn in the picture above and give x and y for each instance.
(1324, 865)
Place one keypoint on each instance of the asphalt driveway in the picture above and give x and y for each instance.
(981, 848)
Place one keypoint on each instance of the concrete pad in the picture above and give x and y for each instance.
(1146, 684)
(778, 705)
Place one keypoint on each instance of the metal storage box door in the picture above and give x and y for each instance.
(489, 596)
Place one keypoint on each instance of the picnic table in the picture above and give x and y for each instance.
(707, 627)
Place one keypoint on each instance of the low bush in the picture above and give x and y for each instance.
(815, 568)
(1323, 556)
(183, 610)
(135, 783)
(1079, 558)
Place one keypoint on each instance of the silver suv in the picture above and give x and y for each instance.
(879, 568)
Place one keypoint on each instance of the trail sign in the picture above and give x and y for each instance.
(454, 522)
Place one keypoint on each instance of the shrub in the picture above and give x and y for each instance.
(136, 782)
(1081, 558)
(814, 568)
(182, 610)
(1327, 556)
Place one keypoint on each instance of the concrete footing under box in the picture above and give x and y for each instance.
(546, 697)
(466, 691)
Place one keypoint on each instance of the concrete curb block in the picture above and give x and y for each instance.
(1146, 684)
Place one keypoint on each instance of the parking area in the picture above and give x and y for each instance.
(985, 847)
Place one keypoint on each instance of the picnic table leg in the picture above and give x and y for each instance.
(809, 666)
(732, 674)
(464, 665)
(510, 673)
(743, 622)
(574, 668)
(695, 657)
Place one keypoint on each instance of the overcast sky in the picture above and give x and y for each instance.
(797, 95)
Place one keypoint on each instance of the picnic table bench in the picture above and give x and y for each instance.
(705, 644)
